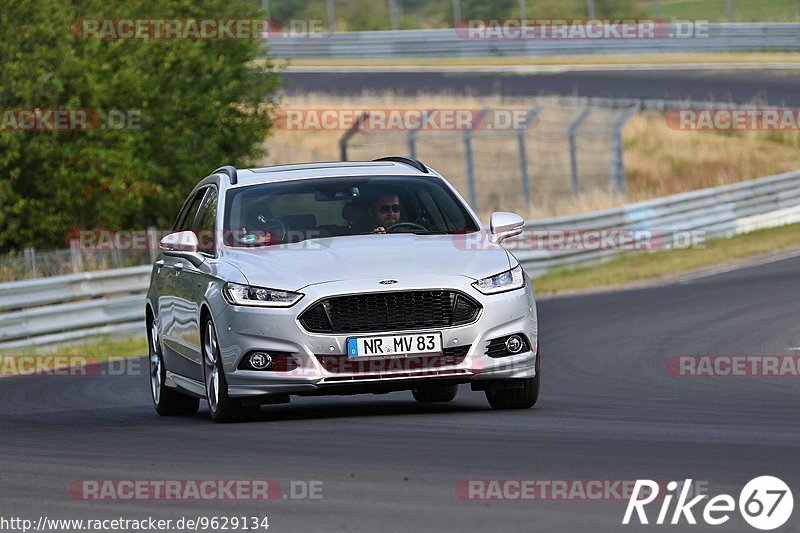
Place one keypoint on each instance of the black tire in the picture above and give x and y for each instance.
(222, 407)
(523, 397)
(167, 402)
(442, 393)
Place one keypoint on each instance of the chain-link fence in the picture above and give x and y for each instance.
(513, 158)
(31, 263)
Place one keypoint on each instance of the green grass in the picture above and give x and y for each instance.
(82, 354)
(716, 10)
(357, 15)
(664, 264)
(99, 349)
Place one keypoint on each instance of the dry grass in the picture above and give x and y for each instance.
(661, 161)
(658, 160)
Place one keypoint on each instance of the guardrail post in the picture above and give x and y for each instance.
(349, 133)
(523, 154)
(573, 155)
(616, 179)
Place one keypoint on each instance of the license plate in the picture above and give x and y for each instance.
(394, 345)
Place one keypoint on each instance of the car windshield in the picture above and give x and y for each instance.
(293, 211)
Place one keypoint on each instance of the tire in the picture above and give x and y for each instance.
(523, 397)
(442, 393)
(166, 401)
(222, 407)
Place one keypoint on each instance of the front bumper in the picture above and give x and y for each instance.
(242, 330)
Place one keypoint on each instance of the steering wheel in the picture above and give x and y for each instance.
(399, 225)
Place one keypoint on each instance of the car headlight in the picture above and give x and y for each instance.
(505, 281)
(259, 297)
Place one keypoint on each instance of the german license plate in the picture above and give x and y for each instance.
(393, 345)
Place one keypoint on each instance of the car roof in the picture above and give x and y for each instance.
(252, 176)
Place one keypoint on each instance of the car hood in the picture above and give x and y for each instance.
(314, 261)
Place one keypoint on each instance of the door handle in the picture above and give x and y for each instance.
(160, 263)
(178, 267)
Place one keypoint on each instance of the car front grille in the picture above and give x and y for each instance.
(390, 311)
(378, 365)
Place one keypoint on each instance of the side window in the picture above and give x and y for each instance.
(186, 220)
(206, 234)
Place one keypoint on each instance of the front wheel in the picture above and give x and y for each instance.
(167, 402)
(524, 396)
(222, 407)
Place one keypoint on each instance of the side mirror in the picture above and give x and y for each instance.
(182, 244)
(504, 225)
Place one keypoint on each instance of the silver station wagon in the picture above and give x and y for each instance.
(337, 278)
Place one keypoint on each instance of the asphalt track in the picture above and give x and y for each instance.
(609, 410)
(773, 86)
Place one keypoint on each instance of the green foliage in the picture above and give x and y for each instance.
(192, 104)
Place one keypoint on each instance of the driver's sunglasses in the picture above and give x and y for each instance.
(384, 209)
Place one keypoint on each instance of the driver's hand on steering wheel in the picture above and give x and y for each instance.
(379, 229)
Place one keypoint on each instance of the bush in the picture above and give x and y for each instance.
(190, 105)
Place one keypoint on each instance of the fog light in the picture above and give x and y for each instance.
(260, 360)
(514, 344)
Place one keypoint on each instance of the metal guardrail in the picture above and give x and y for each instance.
(719, 37)
(717, 212)
(51, 311)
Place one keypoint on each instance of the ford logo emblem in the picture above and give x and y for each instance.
(388, 281)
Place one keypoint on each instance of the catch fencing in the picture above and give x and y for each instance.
(52, 311)
(556, 148)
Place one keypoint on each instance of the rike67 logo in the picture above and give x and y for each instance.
(765, 503)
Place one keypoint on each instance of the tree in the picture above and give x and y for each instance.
(181, 107)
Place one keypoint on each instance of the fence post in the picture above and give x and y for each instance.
(152, 243)
(30, 260)
(523, 154)
(349, 133)
(75, 257)
(616, 179)
(476, 122)
(573, 156)
(411, 140)
(470, 169)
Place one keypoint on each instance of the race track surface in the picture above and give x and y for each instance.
(777, 87)
(609, 410)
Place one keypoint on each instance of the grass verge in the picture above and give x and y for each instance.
(646, 266)
(27, 360)
(755, 58)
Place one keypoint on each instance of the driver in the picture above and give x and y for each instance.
(384, 211)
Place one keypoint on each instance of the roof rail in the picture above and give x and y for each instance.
(230, 170)
(405, 160)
